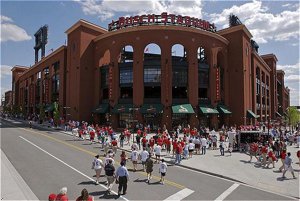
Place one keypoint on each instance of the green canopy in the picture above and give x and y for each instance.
(208, 110)
(251, 114)
(223, 109)
(183, 109)
(49, 108)
(151, 108)
(101, 109)
(124, 108)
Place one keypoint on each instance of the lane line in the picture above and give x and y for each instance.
(227, 192)
(180, 195)
(69, 166)
(93, 154)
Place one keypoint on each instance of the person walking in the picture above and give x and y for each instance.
(123, 157)
(288, 166)
(110, 175)
(203, 145)
(179, 150)
(149, 168)
(97, 166)
(230, 148)
(222, 148)
(122, 177)
(157, 151)
(191, 147)
(163, 171)
(134, 158)
(282, 158)
(144, 156)
(85, 196)
(62, 195)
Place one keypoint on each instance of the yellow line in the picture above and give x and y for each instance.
(93, 154)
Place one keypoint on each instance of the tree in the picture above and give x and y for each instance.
(293, 116)
(56, 115)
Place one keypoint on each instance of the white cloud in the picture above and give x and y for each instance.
(106, 9)
(263, 24)
(292, 81)
(11, 31)
(5, 71)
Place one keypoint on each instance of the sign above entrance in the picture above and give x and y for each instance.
(163, 19)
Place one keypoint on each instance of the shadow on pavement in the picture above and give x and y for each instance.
(140, 180)
(87, 183)
(104, 195)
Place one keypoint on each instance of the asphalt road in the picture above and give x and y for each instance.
(48, 160)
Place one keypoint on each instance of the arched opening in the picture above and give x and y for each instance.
(203, 84)
(152, 85)
(152, 72)
(179, 82)
(126, 72)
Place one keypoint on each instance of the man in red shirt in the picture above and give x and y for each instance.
(144, 141)
(253, 151)
(168, 145)
(282, 158)
(151, 142)
(114, 144)
(264, 151)
(174, 144)
(179, 150)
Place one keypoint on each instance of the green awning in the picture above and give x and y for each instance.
(124, 108)
(151, 108)
(183, 109)
(208, 110)
(101, 109)
(223, 109)
(49, 108)
(251, 114)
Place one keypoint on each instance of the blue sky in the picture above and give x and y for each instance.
(273, 24)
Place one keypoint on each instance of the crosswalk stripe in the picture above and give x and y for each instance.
(180, 195)
(227, 192)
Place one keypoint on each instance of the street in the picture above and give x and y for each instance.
(48, 160)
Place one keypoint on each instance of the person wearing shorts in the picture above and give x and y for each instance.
(97, 166)
(163, 170)
(149, 168)
(288, 166)
(157, 151)
(134, 158)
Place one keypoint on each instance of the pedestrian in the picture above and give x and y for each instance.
(178, 154)
(134, 159)
(123, 157)
(122, 177)
(144, 156)
(272, 158)
(282, 158)
(222, 148)
(253, 151)
(122, 138)
(62, 195)
(288, 165)
(110, 175)
(163, 170)
(52, 197)
(157, 151)
(264, 151)
(203, 145)
(191, 147)
(298, 155)
(230, 148)
(149, 168)
(114, 144)
(85, 196)
(186, 151)
(97, 166)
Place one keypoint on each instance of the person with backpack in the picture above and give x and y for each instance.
(110, 175)
(149, 168)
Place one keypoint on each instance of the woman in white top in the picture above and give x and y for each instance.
(162, 170)
(97, 166)
(191, 148)
(157, 151)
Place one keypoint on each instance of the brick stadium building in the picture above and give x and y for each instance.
(215, 78)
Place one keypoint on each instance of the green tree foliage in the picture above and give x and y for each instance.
(293, 116)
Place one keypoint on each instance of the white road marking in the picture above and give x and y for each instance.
(69, 166)
(180, 195)
(227, 192)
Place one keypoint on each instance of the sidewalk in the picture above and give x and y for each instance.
(237, 168)
(13, 187)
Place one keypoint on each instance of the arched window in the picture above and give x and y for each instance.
(203, 74)
(152, 71)
(126, 72)
(179, 72)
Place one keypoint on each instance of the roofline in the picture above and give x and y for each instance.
(266, 56)
(235, 28)
(280, 71)
(154, 27)
(87, 24)
(45, 58)
(261, 60)
(18, 66)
